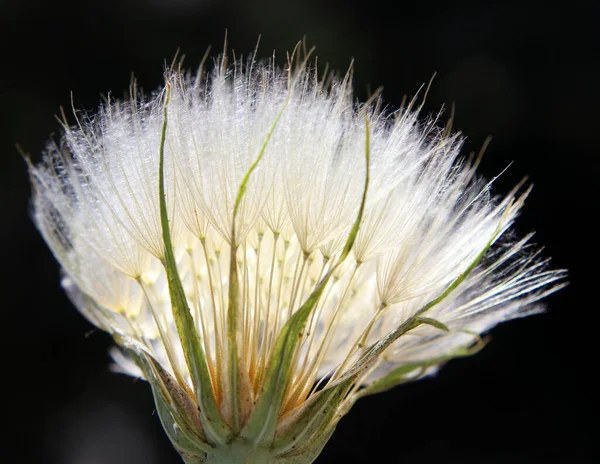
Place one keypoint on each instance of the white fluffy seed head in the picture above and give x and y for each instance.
(427, 218)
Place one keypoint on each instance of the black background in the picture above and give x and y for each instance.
(528, 75)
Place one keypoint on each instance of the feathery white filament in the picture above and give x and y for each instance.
(427, 218)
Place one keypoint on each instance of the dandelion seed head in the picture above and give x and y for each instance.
(428, 218)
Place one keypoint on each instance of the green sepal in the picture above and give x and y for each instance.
(181, 402)
(231, 390)
(244, 184)
(367, 359)
(189, 459)
(299, 425)
(401, 374)
(177, 412)
(261, 424)
(233, 310)
(371, 354)
(215, 427)
(179, 439)
(433, 323)
(395, 377)
(361, 210)
(309, 454)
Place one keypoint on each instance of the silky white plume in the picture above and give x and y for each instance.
(433, 246)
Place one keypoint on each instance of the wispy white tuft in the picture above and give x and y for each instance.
(428, 217)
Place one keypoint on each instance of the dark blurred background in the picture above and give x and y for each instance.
(527, 75)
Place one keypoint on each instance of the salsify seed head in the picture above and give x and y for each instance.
(265, 251)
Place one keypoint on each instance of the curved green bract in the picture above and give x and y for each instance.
(370, 355)
(215, 427)
(310, 420)
(403, 373)
(177, 413)
(433, 323)
(233, 312)
(261, 425)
